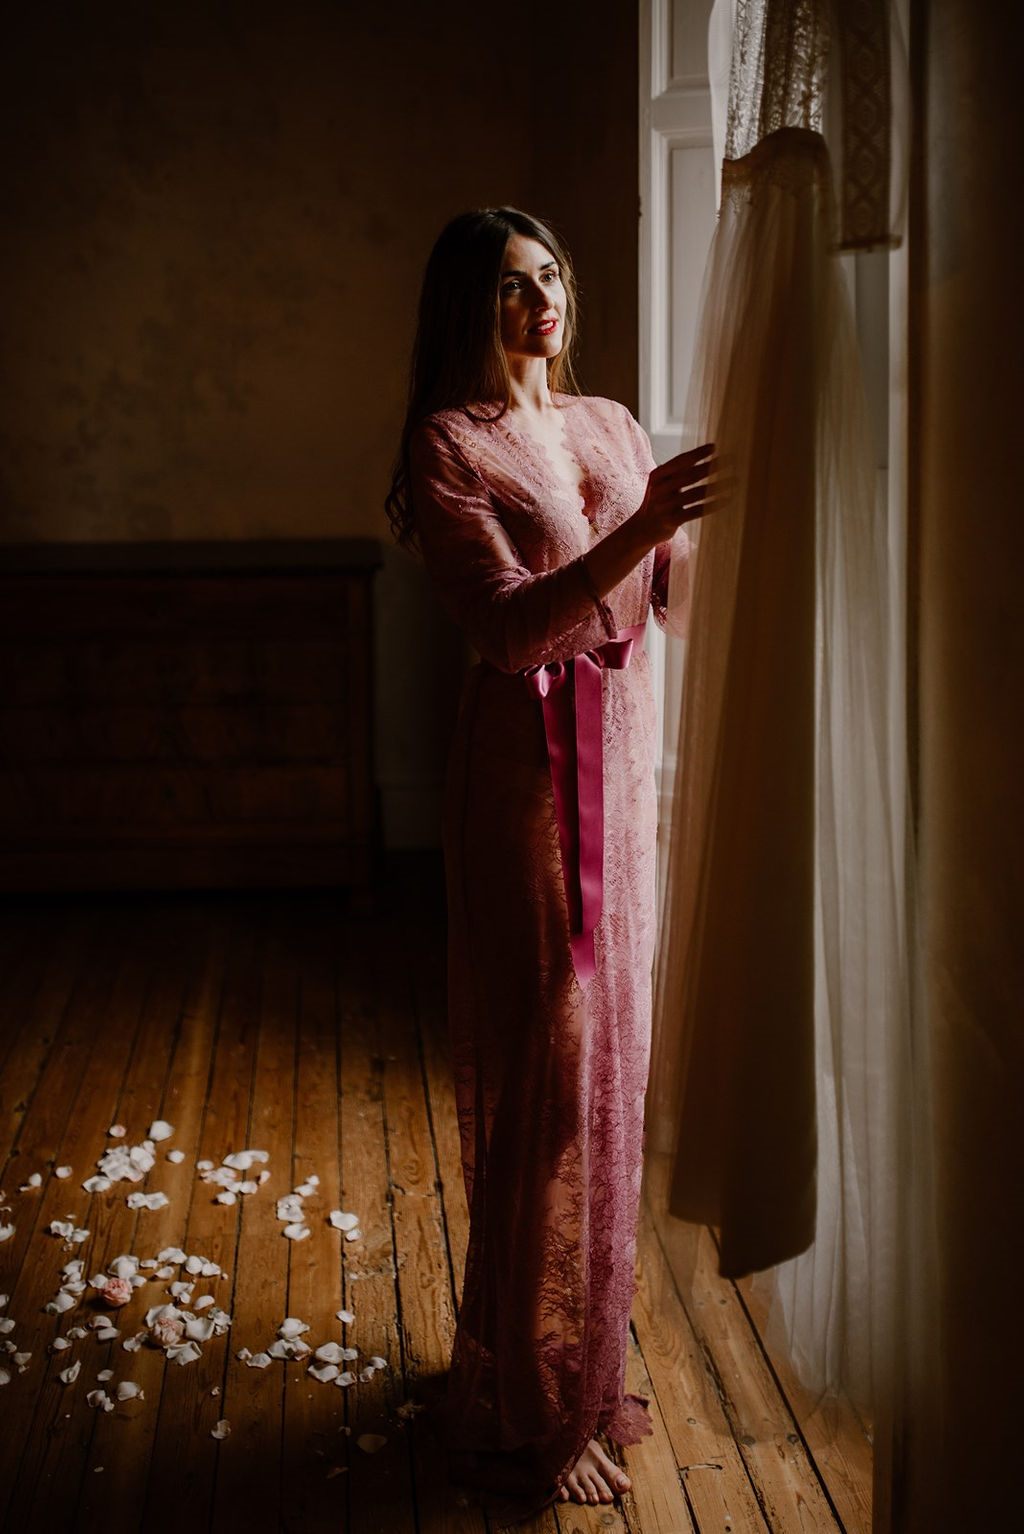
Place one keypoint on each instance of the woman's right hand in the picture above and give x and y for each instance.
(678, 491)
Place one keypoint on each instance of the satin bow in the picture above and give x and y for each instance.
(570, 695)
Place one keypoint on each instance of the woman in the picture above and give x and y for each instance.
(545, 527)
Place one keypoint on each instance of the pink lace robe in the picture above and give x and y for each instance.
(549, 1076)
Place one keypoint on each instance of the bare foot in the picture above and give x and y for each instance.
(594, 1477)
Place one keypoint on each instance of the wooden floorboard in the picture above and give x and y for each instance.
(290, 1023)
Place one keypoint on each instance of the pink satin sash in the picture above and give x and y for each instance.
(570, 694)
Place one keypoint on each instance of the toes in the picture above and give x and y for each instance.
(576, 1489)
(604, 1491)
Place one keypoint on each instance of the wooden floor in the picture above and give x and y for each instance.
(287, 1023)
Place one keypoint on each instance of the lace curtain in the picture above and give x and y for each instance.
(789, 1087)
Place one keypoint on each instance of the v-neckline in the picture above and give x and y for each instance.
(573, 493)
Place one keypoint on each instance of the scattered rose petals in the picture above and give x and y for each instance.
(128, 1390)
(177, 1156)
(147, 1200)
(160, 1130)
(62, 1171)
(35, 1181)
(222, 1429)
(100, 1398)
(117, 1130)
(6, 1232)
(343, 1220)
(71, 1373)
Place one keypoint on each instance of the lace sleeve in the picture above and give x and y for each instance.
(514, 617)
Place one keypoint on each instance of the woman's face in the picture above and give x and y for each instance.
(532, 299)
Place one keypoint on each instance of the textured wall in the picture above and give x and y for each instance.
(215, 221)
(217, 218)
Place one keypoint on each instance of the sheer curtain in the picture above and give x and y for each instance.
(789, 1086)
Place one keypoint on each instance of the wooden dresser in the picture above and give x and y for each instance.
(182, 715)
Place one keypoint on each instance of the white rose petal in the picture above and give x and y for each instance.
(127, 1390)
(222, 1429)
(71, 1373)
(292, 1327)
(343, 1220)
(324, 1372)
(297, 1232)
(160, 1130)
(62, 1171)
(177, 1156)
(62, 1301)
(118, 1131)
(184, 1352)
(346, 1316)
(259, 1361)
(347, 1378)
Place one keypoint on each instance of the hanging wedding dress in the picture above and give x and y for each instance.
(788, 1087)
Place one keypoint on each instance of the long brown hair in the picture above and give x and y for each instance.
(457, 355)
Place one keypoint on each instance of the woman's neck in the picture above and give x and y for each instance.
(530, 392)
